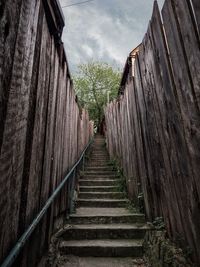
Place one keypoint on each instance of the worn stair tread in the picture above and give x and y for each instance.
(103, 193)
(99, 174)
(102, 200)
(99, 170)
(102, 215)
(118, 226)
(72, 261)
(102, 243)
(99, 195)
(103, 247)
(98, 187)
(104, 212)
(106, 215)
(99, 180)
(106, 167)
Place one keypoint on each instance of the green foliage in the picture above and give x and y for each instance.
(159, 223)
(95, 84)
(131, 207)
(121, 185)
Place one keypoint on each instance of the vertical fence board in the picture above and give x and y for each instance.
(196, 8)
(187, 88)
(13, 145)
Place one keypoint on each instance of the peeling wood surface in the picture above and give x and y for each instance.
(153, 129)
(39, 125)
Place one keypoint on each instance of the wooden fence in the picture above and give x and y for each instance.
(42, 130)
(154, 127)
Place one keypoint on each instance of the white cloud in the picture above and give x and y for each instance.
(104, 30)
(88, 50)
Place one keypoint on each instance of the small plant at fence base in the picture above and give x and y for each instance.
(180, 241)
(122, 187)
(122, 179)
(159, 223)
(141, 202)
(131, 207)
(161, 251)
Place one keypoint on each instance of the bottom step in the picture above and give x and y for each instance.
(74, 261)
(102, 248)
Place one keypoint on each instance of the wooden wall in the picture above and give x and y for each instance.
(154, 127)
(42, 130)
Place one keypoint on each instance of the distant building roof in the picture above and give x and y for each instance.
(127, 67)
(135, 51)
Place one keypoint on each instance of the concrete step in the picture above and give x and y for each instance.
(105, 216)
(99, 163)
(98, 173)
(99, 177)
(99, 182)
(75, 261)
(99, 154)
(102, 202)
(100, 158)
(99, 195)
(102, 248)
(104, 231)
(99, 168)
(98, 188)
(96, 160)
(105, 158)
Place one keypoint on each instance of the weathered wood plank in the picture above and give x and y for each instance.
(14, 135)
(187, 88)
(196, 9)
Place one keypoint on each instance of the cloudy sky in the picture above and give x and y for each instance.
(104, 30)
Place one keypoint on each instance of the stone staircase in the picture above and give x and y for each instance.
(102, 227)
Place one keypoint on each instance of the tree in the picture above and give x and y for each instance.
(96, 84)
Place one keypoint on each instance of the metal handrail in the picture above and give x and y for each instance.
(21, 242)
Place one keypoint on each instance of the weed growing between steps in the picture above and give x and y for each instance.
(122, 179)
(159, 223)
(122, 187)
